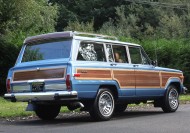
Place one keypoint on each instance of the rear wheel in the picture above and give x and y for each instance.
(171, 100)
(47, 112)
(103, 106)
(120, 108)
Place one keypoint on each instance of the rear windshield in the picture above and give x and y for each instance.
(47, 50)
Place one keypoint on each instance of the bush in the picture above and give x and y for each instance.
(20, 19)
(8, 57)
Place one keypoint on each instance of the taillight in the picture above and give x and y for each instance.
(8, 85)
(68, 83)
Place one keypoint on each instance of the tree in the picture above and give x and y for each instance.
(18, 20)
(85, 11)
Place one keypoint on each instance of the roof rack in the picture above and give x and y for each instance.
(94, 35)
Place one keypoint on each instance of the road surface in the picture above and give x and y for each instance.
(132, 121)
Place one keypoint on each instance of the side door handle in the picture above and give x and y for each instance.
(135, 65)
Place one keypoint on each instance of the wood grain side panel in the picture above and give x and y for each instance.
(41, 74)
(147, 79)
(125, 78)
(94, 73)
(167, 75)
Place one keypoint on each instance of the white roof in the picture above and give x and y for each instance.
(78, 36)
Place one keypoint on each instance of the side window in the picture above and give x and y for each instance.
(138, 56)
(120, 54)
(89, 51)
(109, 52)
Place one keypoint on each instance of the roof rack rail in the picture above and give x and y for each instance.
(94, 35)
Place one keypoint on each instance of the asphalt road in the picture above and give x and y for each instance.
(135, 121)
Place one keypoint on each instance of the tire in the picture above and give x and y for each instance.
(103, 106)
(47, 112)
(119, 108)
(171, 100)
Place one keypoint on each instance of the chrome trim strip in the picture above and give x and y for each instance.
(27, 87)
(35, 80)
(41, 96)
(55, 87)
(24, 81)
(17, 88)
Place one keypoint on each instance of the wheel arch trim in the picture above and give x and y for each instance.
(175, 81)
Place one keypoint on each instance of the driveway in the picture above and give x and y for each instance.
(143, 120)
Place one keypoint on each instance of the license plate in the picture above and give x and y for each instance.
(37, 87)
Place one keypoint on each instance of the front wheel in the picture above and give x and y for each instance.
(47, 112)
(103, 106)
(171, 100)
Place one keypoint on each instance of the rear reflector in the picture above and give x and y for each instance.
(8, 85)
(68, 83)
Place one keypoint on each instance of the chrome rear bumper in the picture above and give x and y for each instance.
(42, 96)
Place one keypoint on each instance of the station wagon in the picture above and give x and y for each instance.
(93, 72)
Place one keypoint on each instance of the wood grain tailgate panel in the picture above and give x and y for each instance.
(41, 74)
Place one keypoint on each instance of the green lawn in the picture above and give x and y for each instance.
(184, 98)
(9, 109)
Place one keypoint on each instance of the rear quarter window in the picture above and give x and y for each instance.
(89, 51)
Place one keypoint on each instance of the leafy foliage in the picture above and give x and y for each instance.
(160, 24)
(18, 20)
(171, 53)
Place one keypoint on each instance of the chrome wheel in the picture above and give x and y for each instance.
(106, 103)
(170, 101)
(103, 107)
(173, 98)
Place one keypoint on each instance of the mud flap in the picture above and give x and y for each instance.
(30, 107)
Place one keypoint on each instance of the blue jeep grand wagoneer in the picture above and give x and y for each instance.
(89, 71)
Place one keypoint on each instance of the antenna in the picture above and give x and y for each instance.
(155, 51)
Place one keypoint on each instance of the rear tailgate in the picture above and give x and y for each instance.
(39, 78)
(41, 83)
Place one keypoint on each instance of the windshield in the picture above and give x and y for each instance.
(47, 50)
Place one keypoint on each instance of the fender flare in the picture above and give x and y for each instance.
(174, 80)
(112, 83)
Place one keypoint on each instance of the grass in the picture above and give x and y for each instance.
(9, 109)
(184, 98)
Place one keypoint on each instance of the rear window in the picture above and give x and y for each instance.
(47, 50)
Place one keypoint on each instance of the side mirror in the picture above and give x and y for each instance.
(154, 63)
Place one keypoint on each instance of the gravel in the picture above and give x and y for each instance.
(75, 114)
